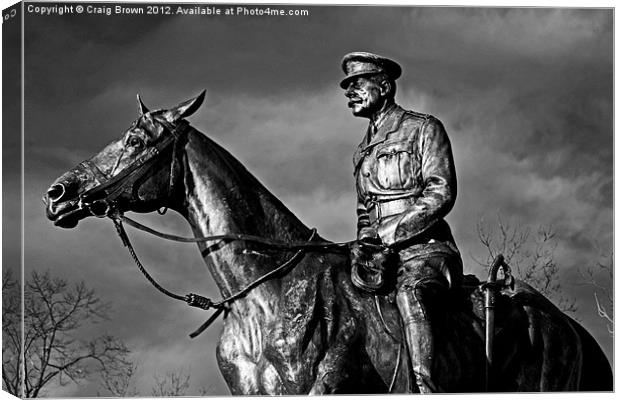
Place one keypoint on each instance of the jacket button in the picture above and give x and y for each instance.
(366, 174)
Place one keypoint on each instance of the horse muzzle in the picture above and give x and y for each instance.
(62, 207)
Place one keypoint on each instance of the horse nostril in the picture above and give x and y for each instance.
(56, 192)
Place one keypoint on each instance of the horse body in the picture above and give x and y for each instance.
(309, 330)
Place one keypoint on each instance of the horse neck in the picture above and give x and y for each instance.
(222, 197)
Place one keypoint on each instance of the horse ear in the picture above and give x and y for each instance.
(185, 109)
(142, 109)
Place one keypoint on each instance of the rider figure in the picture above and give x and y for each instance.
(406, 185)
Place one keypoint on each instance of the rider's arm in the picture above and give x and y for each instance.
(364, 229)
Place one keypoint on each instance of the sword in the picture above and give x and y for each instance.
(490, 288)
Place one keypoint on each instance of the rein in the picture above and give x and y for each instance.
(205, 303)
(276, 244)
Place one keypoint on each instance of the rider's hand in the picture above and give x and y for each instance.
(367, 244)
(358, 255)
(368, 262)
(371, 244)
(369, 233)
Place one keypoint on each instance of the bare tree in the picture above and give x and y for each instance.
(11, 335)
(119, 382)
(600, 277)
(54, 313)
(530, 256)
(176, 383)
(173, 383)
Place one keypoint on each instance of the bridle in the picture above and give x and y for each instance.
(102, 201)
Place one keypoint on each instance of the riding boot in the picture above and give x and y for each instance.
(419, 338)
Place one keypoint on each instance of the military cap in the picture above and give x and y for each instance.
(363, 63)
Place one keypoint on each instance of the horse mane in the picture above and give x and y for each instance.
(245, 186)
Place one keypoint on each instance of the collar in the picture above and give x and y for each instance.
(388, 123)
(383, 115)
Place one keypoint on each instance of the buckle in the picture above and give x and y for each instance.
(386, 208)
(98, 208)
(374, 213)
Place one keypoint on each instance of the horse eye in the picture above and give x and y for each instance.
(136, 142)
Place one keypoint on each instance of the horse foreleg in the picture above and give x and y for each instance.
(238, 367)
(336, 365)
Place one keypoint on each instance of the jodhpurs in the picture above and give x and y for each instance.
(421, 281)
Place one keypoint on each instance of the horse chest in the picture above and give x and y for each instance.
(241, 348)
(262, 356)
(247, 325)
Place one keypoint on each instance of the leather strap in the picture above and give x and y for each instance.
(99, 176)
(112, 187)
(383, 209)
(272, 243)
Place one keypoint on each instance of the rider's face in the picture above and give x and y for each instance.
(365, 97)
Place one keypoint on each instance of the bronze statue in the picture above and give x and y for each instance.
(406, 185)
(294, 321)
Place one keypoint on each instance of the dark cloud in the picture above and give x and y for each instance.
(525, 95)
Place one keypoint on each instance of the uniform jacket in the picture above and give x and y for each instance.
(408, 157)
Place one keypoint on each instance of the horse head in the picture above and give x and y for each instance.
(133, 173)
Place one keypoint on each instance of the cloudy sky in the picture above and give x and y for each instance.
(526, 96)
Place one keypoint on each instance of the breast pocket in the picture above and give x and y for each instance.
(394, 165)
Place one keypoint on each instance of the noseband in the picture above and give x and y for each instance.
(101, 200)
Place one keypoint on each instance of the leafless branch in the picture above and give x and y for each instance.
(53, 312)
(118, 381)
(529, 254)
(173, 383)
(600, 278)
(602, 312)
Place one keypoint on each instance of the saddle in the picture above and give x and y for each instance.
(458, 325)
(466, 304)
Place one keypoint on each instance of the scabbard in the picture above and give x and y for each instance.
(490, 331)
(490, 291)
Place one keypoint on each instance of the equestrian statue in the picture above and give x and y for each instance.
(389, 312)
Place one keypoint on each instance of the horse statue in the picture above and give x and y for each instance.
(303, 327)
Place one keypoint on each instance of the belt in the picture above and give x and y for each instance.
(380, 209)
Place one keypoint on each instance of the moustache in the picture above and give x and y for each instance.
(354, 100)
